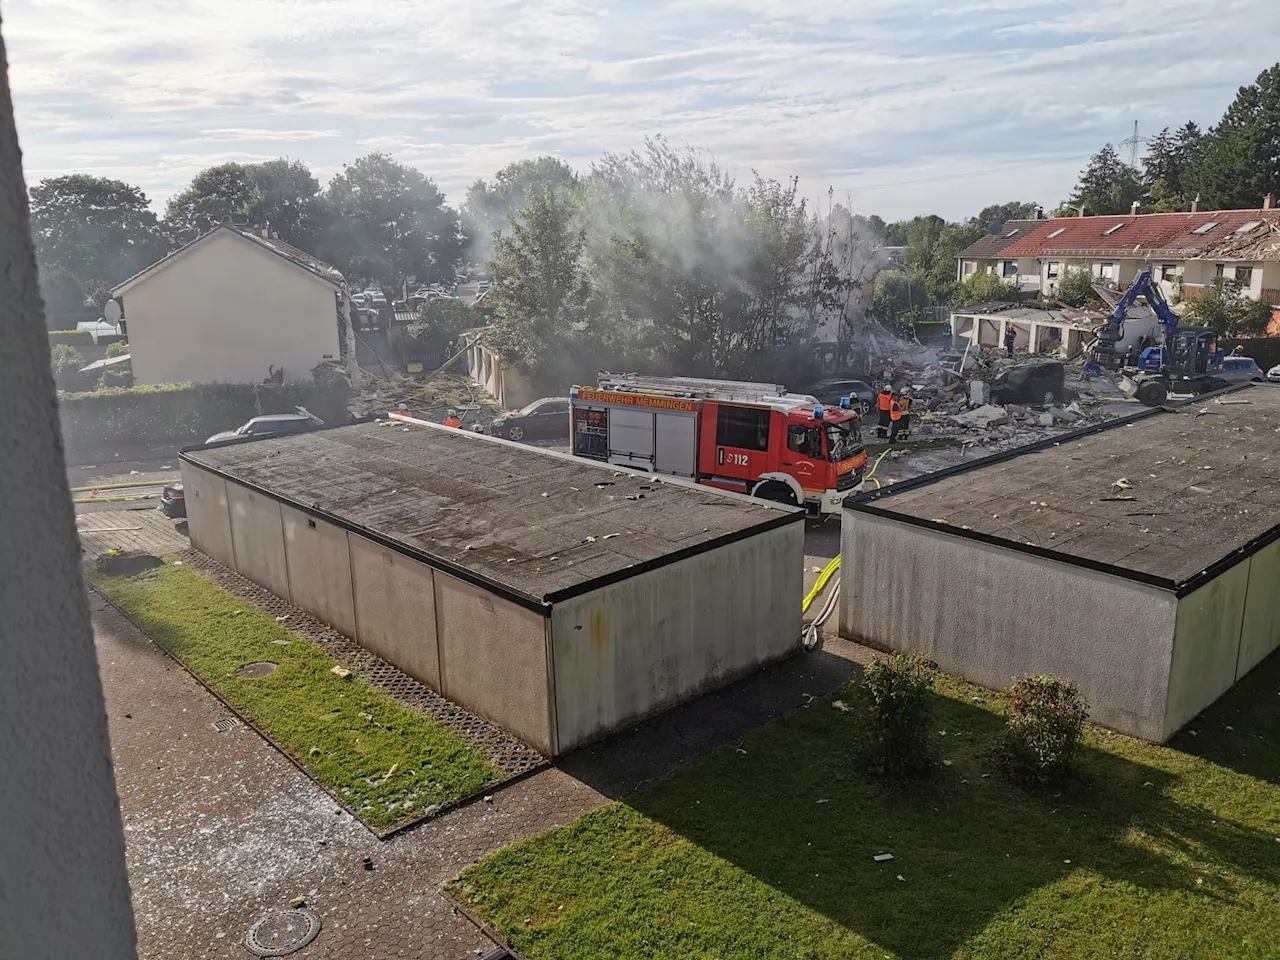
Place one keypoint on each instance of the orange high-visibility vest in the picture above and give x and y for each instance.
(895, 411)
(884, 400)
(453, 421)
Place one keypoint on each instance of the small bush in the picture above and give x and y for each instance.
(894, 702)
(118, 349)
(1045, 728)
(66, 361)
(70, 337)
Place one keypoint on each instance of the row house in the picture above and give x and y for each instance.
(1183, 251)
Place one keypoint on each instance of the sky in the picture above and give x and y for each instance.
(902, 107)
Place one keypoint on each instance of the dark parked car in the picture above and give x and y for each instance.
(271, 425)
(860, 393)
(545, 419)
(172, 503)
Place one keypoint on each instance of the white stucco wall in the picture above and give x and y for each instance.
(991, 614)
(225, 311)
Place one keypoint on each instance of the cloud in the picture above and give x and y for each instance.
(910, 107)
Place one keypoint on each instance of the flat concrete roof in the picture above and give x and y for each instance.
(535, 524)
(1203, 491)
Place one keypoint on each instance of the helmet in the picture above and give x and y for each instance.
(905, 391)
(887, 388)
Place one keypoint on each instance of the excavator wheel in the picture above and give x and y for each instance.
(1152, 393)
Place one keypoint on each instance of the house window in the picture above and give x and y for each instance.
(1219, 270)
(1244, 275)
(1051, 269)
(969, 266)
(1103, 271)
(1110, 230)
(1010, 268)
(806, 441)
(1056, 233)
(1169, 272)
(743, 427)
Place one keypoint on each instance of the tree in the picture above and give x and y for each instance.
(999, 213)
(390, 223)
(1168, 167)
(1239, 163)
(895, 296)
(92, 232)
(440, 322)
(490, 206)
(282, 193)
(933, 247)
(1224, 307)
(1076, 288)
(1107, 185)
(982, 286)
(540, 291)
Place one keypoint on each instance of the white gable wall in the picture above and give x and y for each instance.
(225, 311)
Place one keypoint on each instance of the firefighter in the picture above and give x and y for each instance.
(1010, 338)
(895, 417)
(884, 400)
(1238, 351)
(452, 419)
(904, 408)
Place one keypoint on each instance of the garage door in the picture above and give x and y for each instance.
(677, 444)
(631, 437)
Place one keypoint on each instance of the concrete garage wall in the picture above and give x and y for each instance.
(493, 659)
(1206, 645)
(395, 608)
(991, 614)
(638, 646)
(208, 517)
(319, 569)
(1260, 632)
(258, 537)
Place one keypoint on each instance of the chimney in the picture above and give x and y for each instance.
(1084, 211)
(1137, 205)
(1269, 202)
(1195, 204)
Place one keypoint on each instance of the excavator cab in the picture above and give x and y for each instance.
(1194, 352)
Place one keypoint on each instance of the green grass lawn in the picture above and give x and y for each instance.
(387, 763)
(764, 850)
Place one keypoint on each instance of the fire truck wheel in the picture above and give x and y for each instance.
(777, 492)
(515, 433)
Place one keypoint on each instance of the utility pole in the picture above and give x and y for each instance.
(1132, 143)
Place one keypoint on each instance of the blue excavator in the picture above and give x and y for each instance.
(1186, 360)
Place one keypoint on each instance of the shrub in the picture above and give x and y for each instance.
(1045, 728)
(70, 337)
(118, 349)
(894, 702)
(66, 362)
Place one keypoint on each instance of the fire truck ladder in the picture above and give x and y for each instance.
(743, 391)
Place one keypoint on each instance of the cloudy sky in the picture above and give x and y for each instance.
(905, 106)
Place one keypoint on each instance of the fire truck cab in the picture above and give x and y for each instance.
(752, 438)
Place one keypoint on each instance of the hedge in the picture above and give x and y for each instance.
(105, 422)
(75, 338)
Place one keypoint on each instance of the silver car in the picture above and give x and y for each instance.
(1241, 370)
(1273, 375)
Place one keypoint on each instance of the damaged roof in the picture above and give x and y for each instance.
(1160, 497)
(312, 265)
(1204, 235)
(994, 244)
(1027, 314)
(537, 525)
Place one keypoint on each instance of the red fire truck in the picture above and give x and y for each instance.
(752, 438)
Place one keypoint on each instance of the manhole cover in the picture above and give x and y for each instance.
(225, 724)
(261, 668)
(282, 932)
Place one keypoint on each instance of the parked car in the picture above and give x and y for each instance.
(1241, 370)
(860, 393)
(545, 419)
(272, 425)
(172, 503)
(1273, 375)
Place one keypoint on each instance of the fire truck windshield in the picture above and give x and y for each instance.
(844, 440)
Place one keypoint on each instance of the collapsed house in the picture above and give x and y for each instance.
(1138, 558)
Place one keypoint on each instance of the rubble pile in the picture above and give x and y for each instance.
(428, 398)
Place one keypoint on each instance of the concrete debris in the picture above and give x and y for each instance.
(983, 418)
(979, 393)
(882, 857)
(1046, 419)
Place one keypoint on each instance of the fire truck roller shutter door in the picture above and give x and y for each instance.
(631, 435)
(677, 444)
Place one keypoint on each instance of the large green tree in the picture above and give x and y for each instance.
(1240, 160)
(1225, 307)
(92, 232)
(933, 248)
(1004, 212)
(282, 193)
(490, 205)
(1107, 185)
(390, 222)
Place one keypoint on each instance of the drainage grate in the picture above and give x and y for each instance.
(499, 953)
(225, 724)
(282, 932)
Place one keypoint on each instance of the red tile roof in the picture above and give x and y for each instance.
(1141, 237)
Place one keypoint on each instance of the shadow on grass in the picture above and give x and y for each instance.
(793, 808)
(1239, 730)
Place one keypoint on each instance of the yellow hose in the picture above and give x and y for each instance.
(122, 486)
(834, 565)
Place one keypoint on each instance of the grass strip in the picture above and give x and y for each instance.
(765, 850)
(386, 762)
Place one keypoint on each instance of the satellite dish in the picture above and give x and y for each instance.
(111, 311)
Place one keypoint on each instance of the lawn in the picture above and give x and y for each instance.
(386, 762)
(764, 850)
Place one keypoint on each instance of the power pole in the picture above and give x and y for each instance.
(1132, 143)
